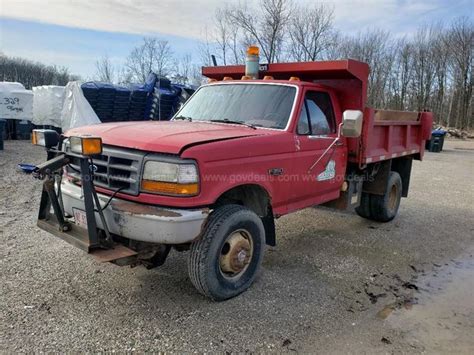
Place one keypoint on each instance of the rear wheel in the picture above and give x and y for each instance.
(384, 208)
(225, 261)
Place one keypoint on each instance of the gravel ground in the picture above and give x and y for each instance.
(330, 285)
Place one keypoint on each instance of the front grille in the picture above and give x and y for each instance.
(114, 169)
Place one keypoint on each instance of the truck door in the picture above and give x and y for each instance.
(315, 130)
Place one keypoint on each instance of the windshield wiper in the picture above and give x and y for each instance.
(183, 118)
(226, 120)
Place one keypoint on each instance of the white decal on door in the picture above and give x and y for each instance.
(329, 173)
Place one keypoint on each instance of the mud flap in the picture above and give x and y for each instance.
(349, 199)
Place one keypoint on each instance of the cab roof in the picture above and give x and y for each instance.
(347, 77)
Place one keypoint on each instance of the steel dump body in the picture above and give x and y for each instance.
(385, 135)
(383, 139)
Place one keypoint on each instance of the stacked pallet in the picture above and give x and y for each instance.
(121, 104)
(156, 99)
(138, 103)
(165, 100)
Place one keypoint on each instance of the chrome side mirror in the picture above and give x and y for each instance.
(352, 123)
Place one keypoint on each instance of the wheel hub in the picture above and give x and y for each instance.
(393, 197)
(236, 253)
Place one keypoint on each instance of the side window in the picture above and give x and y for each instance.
(303, 122)
(318, 109)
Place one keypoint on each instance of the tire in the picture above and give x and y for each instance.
(364, 208)
(225, 261)
(384, 208)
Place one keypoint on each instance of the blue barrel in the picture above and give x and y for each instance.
(435, 144)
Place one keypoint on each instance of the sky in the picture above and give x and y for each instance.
(75, 33)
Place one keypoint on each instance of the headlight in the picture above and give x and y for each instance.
(45, 137)
(170, 178)
(86, 145)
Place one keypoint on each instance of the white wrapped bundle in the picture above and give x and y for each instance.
(15, 101)
(47, 105)
(39, 106)
(76, 110)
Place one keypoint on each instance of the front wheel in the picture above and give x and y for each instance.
(225, 261)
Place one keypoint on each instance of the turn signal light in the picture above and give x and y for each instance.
(170, 188)
(86, 145)
(45, 137)
(34, 138)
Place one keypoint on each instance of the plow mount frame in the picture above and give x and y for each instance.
(52, 218)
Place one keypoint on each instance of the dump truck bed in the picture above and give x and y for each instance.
(390, 134)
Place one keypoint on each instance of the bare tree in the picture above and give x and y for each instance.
(205, 50)
(182, 70)
(265, 27)
(196, 76)
(124, 76)
(31, 73)
(104, 70)
(222, 34)
(153, 55)
(227, 36)
(460, 42)
(441, 62)
(376, 49)
(401, 74)
(311, 32)
(431, 69)
(423, 67)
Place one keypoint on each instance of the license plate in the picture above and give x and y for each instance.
(80, 217)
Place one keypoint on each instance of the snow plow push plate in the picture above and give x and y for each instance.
(79, 237)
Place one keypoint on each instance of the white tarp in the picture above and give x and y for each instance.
(76, 110)
(48, 103)
(15, 101)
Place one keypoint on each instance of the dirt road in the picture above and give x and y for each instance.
(334, 283)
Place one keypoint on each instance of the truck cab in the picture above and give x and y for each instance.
(240, 153)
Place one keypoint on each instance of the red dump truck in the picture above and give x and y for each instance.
(240, 153)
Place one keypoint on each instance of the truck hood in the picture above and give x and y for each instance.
(165, 136)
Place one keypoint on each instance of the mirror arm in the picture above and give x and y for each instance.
(333, 143)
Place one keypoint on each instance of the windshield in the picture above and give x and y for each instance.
(259, 105)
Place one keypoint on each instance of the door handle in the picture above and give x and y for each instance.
(319, 137)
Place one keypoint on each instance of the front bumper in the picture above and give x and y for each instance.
(140, 222)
